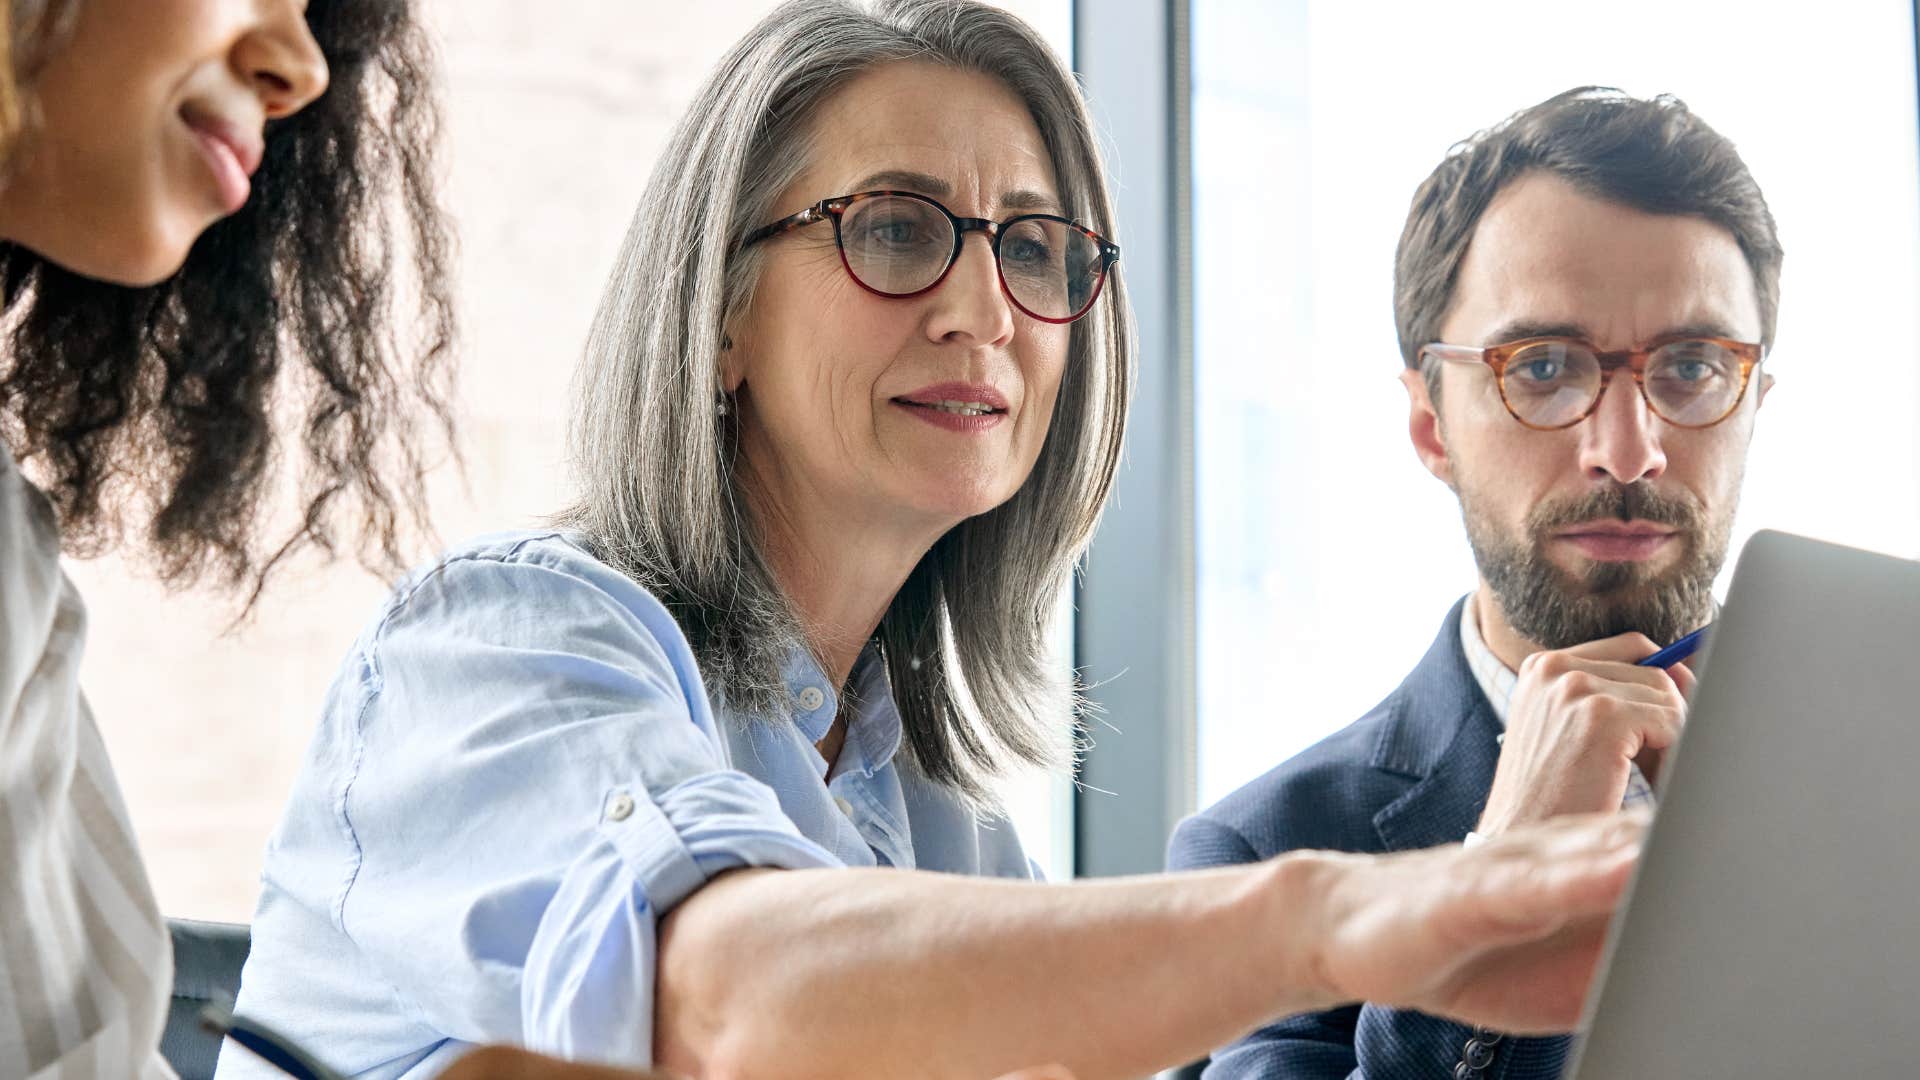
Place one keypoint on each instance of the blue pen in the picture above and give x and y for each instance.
(1679, 650)
(272, 1047)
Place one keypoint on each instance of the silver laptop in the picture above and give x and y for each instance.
(1774, 924)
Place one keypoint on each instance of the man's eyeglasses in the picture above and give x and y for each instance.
(898, 244)
(1550, 383)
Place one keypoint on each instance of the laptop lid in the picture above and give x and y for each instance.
(1773, 927)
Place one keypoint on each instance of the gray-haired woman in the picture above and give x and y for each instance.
(655, 785)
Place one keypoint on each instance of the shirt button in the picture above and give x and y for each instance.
(845, 806)
(620, 807)
(811, 698)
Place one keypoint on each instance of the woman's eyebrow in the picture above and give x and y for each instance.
(906, 180)
(928, 184)
(1032, 200)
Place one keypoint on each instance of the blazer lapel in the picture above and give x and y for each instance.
(1443, 734)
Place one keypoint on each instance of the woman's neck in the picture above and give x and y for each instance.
(839, 568)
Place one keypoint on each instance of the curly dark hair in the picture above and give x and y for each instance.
(159, 405)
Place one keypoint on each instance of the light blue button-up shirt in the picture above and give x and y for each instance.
(516, 774)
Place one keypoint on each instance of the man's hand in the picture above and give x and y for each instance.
(1579, 717)
(1505, 935)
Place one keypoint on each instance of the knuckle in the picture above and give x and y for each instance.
(1578, 684)
(1601, 709)
(1551, 664)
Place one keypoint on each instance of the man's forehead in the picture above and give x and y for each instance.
(1546, 253)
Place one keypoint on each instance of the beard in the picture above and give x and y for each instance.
(1557, 609)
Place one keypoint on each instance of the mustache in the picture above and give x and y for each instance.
(1637, 501)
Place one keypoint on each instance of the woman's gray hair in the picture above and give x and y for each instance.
(965, 639)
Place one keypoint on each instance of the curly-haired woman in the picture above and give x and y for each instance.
(205, 209)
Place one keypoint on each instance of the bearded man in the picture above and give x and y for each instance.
(1584, 295)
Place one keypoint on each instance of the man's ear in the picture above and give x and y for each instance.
(1766, 384)
(1423, 427)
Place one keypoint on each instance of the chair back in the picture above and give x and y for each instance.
(207, 958)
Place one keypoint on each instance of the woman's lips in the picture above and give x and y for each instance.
(946, 417)
(232, 155)
(956, 406)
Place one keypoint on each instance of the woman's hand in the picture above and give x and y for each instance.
(510, 1063)
(1505, 935)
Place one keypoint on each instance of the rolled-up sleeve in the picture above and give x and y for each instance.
(534, 780)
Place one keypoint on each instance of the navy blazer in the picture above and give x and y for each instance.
(1412, 773)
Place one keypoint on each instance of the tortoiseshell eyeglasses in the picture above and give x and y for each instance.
(899, 244)
(1550, 383)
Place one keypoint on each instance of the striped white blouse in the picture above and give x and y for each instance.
(85, 965)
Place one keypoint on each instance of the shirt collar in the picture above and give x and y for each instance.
(876, 726)
(873, 730)
(810, 694)
(1496, 679)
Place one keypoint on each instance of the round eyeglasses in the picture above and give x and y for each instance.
(899, 244)
(1550, 383)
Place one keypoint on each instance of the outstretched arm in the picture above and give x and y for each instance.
(890, 973)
